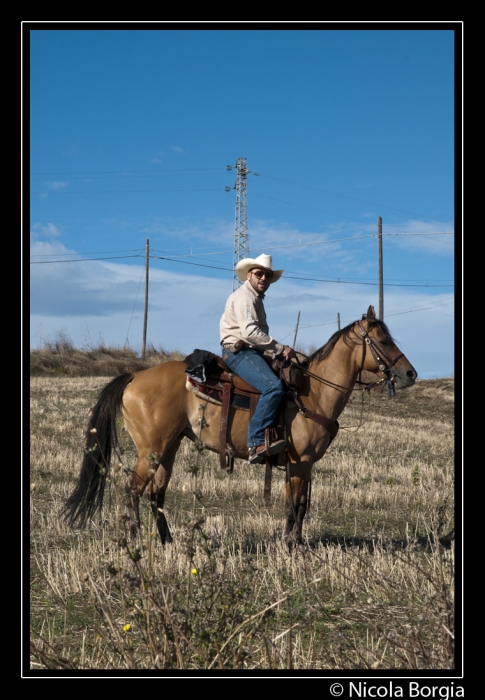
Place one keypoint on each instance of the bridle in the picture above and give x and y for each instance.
(384, 363)
(375, 350)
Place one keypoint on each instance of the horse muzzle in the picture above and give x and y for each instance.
(404, 379)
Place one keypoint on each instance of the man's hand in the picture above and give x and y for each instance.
(288, 352)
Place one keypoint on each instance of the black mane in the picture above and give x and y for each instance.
(344, 333)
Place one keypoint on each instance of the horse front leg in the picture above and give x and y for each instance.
(296, 507)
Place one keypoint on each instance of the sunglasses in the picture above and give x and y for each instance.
(260, 274)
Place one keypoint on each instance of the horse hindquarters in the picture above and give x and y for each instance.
(155, 414)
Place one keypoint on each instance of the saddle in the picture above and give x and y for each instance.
(211, 379)
(211, 372)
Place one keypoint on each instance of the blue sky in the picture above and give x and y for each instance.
(132, 127)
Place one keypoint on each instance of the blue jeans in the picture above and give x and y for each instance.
(250, 365)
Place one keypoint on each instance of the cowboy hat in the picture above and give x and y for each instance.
(263, 261)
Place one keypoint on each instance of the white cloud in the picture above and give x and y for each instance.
(423, 237)
(158, 158)
(210, 232)
(185, 307)
(184, 311)
(46, 231)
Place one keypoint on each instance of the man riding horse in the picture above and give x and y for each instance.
(244, 336)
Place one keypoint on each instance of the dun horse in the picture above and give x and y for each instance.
(159, 412)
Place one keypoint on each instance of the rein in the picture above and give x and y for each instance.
(383, 365)
(374, 349)
(367, 385)
(333, 426)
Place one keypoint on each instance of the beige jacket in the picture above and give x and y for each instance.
(244, 318)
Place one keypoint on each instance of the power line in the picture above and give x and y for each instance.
(225, 269)
(114, 257)
(209, 189)
(185, 262)
(122, 172)
(422, 308)
(420, 233)
(393, 313)
(126, 176)
(98, 252)
(270, 246)
(209, 171)
(303, 206)
(337, 194)
(368, 284)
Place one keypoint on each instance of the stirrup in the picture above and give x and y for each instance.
(259, 454)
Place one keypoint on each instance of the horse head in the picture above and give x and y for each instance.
(380, 353)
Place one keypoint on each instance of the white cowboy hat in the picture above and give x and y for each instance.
(263, 261)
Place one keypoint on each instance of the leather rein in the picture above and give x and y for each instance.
(383, 363)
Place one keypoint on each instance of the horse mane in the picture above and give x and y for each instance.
(344, 333)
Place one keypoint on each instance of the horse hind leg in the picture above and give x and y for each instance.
(153, 470)
(158, 488)
(133, 490)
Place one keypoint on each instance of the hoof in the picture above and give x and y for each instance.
(166, 537)
(163, 529)
(293, 542)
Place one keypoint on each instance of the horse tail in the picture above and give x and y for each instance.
(101, 440)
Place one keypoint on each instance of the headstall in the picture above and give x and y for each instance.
(373, 347)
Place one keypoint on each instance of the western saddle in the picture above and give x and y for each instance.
(219, 385)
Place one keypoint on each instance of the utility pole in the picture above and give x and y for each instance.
(338, 320)
(296, 329)
(241, 234)
(379, 262)
(145, 315)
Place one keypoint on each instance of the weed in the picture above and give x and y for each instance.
(415, 475)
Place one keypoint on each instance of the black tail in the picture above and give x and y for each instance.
(101, 439)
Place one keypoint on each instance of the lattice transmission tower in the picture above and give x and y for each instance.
(241, 233)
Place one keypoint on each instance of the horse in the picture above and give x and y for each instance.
(159, 411)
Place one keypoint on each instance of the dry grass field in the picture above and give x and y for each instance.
(372, 587)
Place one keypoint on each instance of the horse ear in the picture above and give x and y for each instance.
(371, 314)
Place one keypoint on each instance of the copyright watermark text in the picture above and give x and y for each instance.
(413, 689)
